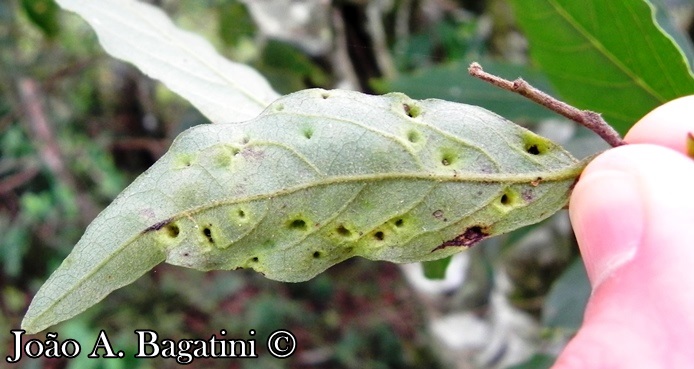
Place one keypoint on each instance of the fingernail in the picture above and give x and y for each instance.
(607, 214)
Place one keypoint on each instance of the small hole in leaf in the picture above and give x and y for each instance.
(400, 222)
(208, 233)
(308, 133)
(535, 145)
(413, 136)
(241, 213)
(254, 259)
(316, 254)
(510, 199)
(172, 230)
(448, 157)
(379, 235)
(298, 224)
(412, 110)
(325, 95)
(343, 231)
(504, 199)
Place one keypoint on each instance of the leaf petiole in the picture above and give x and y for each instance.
(586, 118)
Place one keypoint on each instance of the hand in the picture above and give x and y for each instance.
(633, 214)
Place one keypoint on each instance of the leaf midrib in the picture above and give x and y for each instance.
(560, 175)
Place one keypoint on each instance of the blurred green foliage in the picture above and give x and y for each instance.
(110, 123)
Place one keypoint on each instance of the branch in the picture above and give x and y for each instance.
(47, 146)
(586, 118)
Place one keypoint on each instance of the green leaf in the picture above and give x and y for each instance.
(319, 177)
(669, 26)
(452, 82)
(607, 56)
(567, 299)
(538, 361)
(143, 35)
(288, 68)
(235, 22)
(436, 269)
(43, 14)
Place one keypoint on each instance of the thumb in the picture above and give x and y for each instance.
(633, 214)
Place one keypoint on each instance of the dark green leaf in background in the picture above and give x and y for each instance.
(43, 14)
(566, 301)
(453, 83)
(539, 361)
(436, 269)
(665, 21)
(234, 22)
(606, 56)
(288, 69)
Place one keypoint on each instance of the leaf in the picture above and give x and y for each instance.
(44, 15)
(436, 269)
(537, 361)
(143, 35)
(606, 56)
(288, 68)
(452, 82)
(319, 177)
(670, 28)
(567, 299)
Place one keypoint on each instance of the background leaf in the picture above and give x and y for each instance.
(606, 56)
(44, 14)
(141, 34)
(453, 83)
(566, 300)
(436, 269)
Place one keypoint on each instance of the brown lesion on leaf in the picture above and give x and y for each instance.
(469, 238)
(438, 214)
(157, 226)
(536, 182)
(528, 195)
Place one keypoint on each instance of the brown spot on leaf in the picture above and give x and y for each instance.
(528, 195)
(157, 226)
(252, 153)
(470, 237)
(536, 182)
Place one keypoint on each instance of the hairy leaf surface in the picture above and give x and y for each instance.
(319, 177)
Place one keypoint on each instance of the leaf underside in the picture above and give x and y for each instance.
(143, 35)
(319, 177)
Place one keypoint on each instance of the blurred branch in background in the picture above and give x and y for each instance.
(49, 151)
